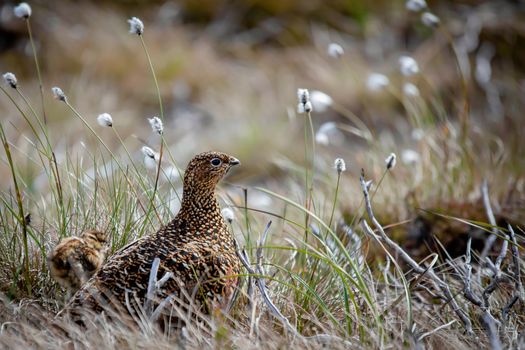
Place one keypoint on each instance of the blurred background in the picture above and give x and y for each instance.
(229, 71)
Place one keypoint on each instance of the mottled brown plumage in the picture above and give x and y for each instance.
(75, 259)
(196, 247)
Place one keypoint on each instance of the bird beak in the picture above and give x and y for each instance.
(234, 161)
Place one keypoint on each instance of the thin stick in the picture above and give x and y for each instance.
(492, 332)
(467, 290)
(435, 330)
(517, 276)
(148, 303)
(492, 220)
(515, 260)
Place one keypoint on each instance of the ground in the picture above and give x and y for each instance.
(227, 79)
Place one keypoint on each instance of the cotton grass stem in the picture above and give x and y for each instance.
(309, 168)
(161, 111)
(50, 155)
(112, 156)
(37, 65)
(335, 200)
(21, 214)
(140, 176)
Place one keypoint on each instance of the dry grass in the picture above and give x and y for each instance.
(240, 98)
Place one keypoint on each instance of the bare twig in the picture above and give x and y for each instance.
(517, 275)
(516, 261)
(435, 330)
(261, 284)
(148, 303)
(492, 220)
(415, 266)
(259, 250)
(483, 304)
(496, 277)
(467, 290)
(492, 332)
(153, 287)
(502, 254)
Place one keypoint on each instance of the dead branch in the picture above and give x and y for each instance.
(404, 255)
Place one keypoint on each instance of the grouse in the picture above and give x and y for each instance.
(196, 248)
(75, 259)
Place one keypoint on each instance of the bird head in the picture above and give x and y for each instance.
(94, 239)
(206, 169)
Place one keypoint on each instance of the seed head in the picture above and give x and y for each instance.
(150, 157)
(10, 79)
(304, 105)
(228, 215)
(148, 152)
(339, 165)
(59, 94)
(430, 20)
(326, 133)
(410, 90)
(408, 66)
(23, 10)
(320, 100)
(409, 156)
(136, 26)
(105, 120)
(156, 125)
(415, 5)
(335, 50)
(377, 82)
(390, 161)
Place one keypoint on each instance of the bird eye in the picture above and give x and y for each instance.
(216, 162)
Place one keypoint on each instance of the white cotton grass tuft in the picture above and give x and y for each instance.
(10, 79)
(377, 82)
(150, 163)
(136, 26)
(340, 165)
(156, 125)
(148, 152)
(105, 120)
(335, 50)
(390, 161)
(415, 5)
(58, 94)
(322, 136)
(328, 133)
(410, 90)
(228, 215)
(409, 156)
(304, 105)
(430, 20)
(320, 101)
(408, 66)
(150, 157)
(23, 10)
